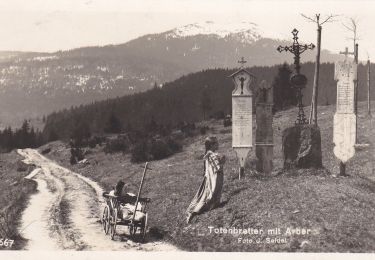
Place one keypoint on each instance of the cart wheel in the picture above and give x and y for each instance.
(144, 228)
(113, 224)
(105, 219)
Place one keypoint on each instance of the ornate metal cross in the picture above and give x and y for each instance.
(242, 61)
(299, 81)
(297, 49)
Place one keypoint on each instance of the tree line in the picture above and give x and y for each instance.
(191, 98)
(24, 137)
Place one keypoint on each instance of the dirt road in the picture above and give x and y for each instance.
(65, 212)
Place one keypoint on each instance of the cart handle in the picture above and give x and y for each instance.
(139, 191)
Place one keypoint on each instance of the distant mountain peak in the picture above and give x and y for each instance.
(246, 32)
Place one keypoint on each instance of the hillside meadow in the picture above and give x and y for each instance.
(14, 194)
(315, 210)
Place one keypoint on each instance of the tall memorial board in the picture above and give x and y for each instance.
(242, 115)
(264, 130)
(344, 121)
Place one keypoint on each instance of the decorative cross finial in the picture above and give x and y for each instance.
(242, 61)
(295, 33)
(346, 53)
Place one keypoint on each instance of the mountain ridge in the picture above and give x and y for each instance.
(45, 82)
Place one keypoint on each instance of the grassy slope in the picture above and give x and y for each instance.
(338, 210)
(14, 192)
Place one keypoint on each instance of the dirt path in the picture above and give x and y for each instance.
(64, 214)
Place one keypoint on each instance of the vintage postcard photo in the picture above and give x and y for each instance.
(187, 126)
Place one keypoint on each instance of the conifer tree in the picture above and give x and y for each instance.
(206, 103)
(284, 94)
(113, 125)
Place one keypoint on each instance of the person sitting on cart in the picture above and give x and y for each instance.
(127, 202)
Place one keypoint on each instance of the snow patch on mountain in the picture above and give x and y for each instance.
(43, 58)
(245, 32)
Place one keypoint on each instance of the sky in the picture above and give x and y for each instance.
(52, 25)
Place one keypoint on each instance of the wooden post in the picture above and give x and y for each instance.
(241, 173)
(356, 93)
(342, 169)
(139, 191)
(313, 119)
(368, 88)
(314, 100)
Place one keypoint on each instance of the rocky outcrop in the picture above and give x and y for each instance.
(302, 147)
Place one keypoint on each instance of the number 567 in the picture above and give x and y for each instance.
(6, 242)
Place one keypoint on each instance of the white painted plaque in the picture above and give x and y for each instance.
(242, 121)
(344, 121)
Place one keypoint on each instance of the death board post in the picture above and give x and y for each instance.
(264, 130)
(242, 114)
(344, 120)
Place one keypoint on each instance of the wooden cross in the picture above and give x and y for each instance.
(346, 53)
(242, 61)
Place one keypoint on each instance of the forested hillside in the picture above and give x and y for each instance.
(182, 99)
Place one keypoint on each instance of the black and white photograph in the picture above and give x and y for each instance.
(187, 126)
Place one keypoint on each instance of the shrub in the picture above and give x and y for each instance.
(159, 149)
(47, 150)
(76, 155)
(95, 140)
(116, 145)
(139, 152)
(227, 121)
(81, 134)
(155, 149)
(188, 129)
(174, 145)
(177, 135)
(225, 131)
(21, 166)
(218, 115)
(203, 130)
